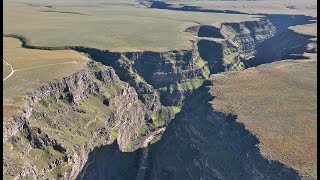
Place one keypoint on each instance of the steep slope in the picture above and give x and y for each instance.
(242, 39)
(64, 120)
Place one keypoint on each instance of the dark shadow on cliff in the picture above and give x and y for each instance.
(203, 144)
(283, 21)
(163, 5)
(211, 52)
(280, 21)
(109, 163)
(209, 31)
(286, 45)
(198, 144)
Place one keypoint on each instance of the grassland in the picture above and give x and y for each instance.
(308, 7)
(278, 103)
(33, 68)
(307, 29)
(6, 69)
(113, 27)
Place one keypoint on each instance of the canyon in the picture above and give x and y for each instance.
(148, 113)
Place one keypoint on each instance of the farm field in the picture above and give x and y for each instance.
(278, 103)
(33, 68)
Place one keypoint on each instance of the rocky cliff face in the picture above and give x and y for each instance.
(63, 121)
(157, 75)
(247, 44)
(240, 41)
(161, 69)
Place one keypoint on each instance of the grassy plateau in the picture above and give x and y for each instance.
(113, 27)
(33, 68)
(278, 103)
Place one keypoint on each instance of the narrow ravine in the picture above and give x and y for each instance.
(144, 162)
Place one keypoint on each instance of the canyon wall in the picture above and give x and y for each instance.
(123, 97)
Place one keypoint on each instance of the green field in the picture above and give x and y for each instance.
(33, 68)
(113, 27)
(278, 103)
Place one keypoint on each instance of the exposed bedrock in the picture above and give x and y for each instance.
(64, 120)
(242, 39)
(246, 35)
(161, 69)
(78, 85)
(153, 74)
(251, 43)
(127, 111)
(238, 44)
(124, 69)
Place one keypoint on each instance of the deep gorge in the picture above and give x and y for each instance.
(182, 151)
(198, 143)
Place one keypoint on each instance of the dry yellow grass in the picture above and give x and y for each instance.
(278, 103)
(33, 68)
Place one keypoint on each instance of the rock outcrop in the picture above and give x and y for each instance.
(64, 120)
(239, 44)
(157, 76)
